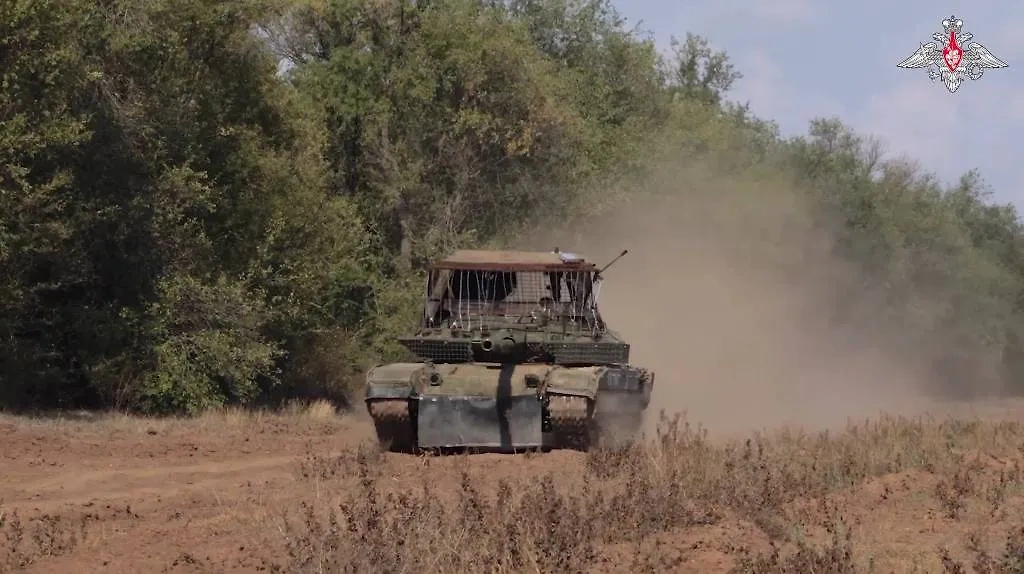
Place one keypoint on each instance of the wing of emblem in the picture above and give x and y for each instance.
(980, 56)
(926, 55)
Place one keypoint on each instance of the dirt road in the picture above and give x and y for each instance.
(206, 496)
(142, 496)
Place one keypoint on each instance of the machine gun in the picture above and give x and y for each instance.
(598, 275)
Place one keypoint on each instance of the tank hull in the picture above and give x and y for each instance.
(504, 407)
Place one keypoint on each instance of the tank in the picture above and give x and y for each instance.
(512, 354)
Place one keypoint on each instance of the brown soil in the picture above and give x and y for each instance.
(234, 492)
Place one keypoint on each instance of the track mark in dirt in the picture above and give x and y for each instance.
(77, 487)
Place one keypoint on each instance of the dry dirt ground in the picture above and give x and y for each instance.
(307, 490)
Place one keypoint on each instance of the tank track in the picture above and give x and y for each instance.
(393, 421)
(572, 421)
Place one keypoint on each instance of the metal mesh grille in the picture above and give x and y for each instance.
(589, 352)
(446, 351)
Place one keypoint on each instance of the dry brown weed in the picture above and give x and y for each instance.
(629, 494)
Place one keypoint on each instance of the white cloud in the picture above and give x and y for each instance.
(772, 96)
(916, 117)
(762, 79)
(950, 134)
(787, 11)
(1015, 106)
(1007, 43)
(759, 14)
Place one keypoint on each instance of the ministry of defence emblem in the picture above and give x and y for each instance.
(953, 56)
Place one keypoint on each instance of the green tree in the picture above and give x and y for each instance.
(185, 225)
(184, 172)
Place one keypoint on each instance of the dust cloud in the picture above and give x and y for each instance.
(729, 294)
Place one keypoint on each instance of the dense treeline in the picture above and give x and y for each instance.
(205, 203)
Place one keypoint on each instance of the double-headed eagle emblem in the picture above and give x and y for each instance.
(947, 59)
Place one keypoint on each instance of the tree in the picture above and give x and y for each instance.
(700, 73)
(183, 224)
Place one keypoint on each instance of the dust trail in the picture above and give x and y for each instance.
(729, 292)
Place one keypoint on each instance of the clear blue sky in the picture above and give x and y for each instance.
(803, 59)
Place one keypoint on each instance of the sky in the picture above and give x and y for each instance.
(803, 59)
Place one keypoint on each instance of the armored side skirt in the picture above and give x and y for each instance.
(480, 422)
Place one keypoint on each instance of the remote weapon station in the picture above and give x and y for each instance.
(513, 354)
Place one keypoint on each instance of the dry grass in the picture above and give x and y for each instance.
(295, 413)
(101, 442)
(625, 499)
(25, 543)
(951, 489)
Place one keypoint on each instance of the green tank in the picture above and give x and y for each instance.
(511, 354)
